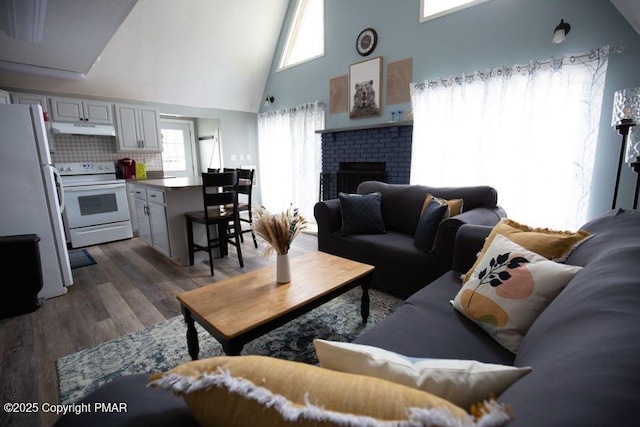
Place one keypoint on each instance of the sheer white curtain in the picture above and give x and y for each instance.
(530, 131)
(290, 157)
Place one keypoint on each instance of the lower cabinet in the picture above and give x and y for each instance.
(151, 216)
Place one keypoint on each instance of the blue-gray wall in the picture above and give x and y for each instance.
(498, 32)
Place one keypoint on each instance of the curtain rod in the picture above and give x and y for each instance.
(550, 61)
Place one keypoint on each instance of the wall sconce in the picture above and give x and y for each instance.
(559, 34)
(269, 100)
(626, 114)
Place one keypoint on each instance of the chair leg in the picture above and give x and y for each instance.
(190, 239)
(255, 242)
(238, 243)
(209, 249)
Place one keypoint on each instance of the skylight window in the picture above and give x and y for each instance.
(431, 9)
(305, 40)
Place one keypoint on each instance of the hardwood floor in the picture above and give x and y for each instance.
(130, 288)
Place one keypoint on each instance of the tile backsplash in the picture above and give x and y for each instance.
(85, 148)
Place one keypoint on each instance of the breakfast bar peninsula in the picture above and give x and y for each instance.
(160, 205)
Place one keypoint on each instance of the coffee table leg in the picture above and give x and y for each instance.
(232, 348)
(364, 302)
(192, 334)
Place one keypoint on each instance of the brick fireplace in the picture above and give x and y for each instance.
(387, 144)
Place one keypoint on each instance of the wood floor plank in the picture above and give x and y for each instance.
(122, 315)
(146, 312)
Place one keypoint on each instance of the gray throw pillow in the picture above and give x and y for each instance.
(428, 224)
(361, 213)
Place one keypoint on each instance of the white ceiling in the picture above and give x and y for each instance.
(200, 53)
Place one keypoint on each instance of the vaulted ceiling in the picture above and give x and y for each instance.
(201, 53)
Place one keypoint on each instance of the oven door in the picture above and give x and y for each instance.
(96, 204)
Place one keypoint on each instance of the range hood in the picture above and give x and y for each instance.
(82, 129)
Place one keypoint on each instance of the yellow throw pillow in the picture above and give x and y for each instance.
(551, 244)
(455, 205)
(265, 391)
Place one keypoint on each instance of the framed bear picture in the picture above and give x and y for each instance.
(364, 88)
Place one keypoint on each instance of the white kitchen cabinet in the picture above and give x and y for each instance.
(151, 216)
(4, 97)
(29, 99)
(81, 111)
(41, 100)
(138, 128)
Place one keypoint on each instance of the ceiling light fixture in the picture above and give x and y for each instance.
(269, 100)
(561, 31)
(24, 19)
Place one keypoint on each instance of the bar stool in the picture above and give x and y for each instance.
(220, 198)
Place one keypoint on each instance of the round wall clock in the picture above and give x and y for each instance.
(366, 41)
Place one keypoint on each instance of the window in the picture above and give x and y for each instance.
(431, 9)
(177, 147)
(305, 40)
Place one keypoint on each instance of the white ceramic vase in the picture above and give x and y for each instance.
(283, 269)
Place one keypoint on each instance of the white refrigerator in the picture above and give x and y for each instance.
(28, 193)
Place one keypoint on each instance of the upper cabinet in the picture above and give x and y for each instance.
(41, 100)
(30, 98)
(81, 111)
(138, 128)
(4, 97)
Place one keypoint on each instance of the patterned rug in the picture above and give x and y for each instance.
(164, 346)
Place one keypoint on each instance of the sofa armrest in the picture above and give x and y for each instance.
(328, 215)
(445, 238)
(468, 242)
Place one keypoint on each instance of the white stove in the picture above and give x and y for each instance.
(96, 208)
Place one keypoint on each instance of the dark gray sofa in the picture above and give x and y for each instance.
(401, 267)
(584, 348)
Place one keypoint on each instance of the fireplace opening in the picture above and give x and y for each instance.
(351, 174)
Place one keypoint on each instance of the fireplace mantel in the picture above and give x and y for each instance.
(371, 126)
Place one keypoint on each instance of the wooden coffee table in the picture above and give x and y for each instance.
(240, 309)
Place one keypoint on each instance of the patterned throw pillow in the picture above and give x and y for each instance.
(509, 288)
(551, 244)
(361, 213)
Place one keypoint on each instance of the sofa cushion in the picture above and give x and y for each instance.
(462, 382)
(509, 288)
(430, 218)
(426, 326)
(361, 214)
(551, 244)
(243, 389)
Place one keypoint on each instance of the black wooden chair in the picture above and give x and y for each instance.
(245, 187)
(220, 198)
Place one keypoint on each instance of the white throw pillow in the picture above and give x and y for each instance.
(462, 382)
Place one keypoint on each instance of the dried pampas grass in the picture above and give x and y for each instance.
(277, 230)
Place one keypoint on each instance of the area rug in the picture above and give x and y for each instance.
(80, 258)
(164, 346)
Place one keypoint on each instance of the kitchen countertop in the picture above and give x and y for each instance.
(176, 183)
